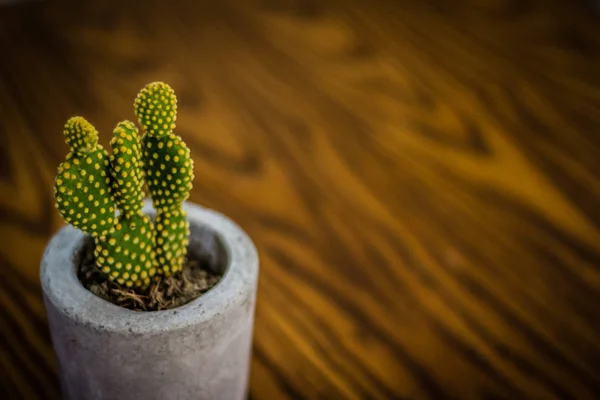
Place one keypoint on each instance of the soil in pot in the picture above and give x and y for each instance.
(197, 277)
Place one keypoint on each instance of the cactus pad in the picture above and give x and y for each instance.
(127, 180)
(169, 170)
(126, 254)
(82, 188)
(80, 135)
(172, 232)
(156, 108)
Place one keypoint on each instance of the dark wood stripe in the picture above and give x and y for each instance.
(281, 380)
(8, 387)
(46, 369)
(15, 349)
(15, 290)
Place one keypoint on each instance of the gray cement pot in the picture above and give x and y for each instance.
(200, 350)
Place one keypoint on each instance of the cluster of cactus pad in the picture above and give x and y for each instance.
(92, 185)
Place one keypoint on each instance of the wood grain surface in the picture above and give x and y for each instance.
(421, 178)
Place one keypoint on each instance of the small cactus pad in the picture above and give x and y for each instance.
(172, 232)
(156, 108)
(126, 254)
(127, 179)
(169, 170)
(80, 135)
(82, 188)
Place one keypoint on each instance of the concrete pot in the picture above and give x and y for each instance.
(200, 350)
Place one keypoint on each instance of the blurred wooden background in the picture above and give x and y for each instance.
(421, 179)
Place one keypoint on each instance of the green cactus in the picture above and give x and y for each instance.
(169, 172)
(82, 187)
(127, 253)
(90, 186)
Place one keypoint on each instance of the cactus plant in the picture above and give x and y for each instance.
(168, 168)
(91, 185)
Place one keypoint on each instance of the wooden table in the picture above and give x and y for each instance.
(421, 178)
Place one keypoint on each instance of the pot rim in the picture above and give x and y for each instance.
(62, 288)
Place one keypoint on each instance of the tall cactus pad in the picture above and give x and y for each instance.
(172, 232)
(82, 188)
(126, 254)
(156, 108)
(169, 170)
(126, 168)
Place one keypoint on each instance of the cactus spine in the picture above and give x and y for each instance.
(168, 169)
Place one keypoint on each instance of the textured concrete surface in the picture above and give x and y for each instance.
(198, 351)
